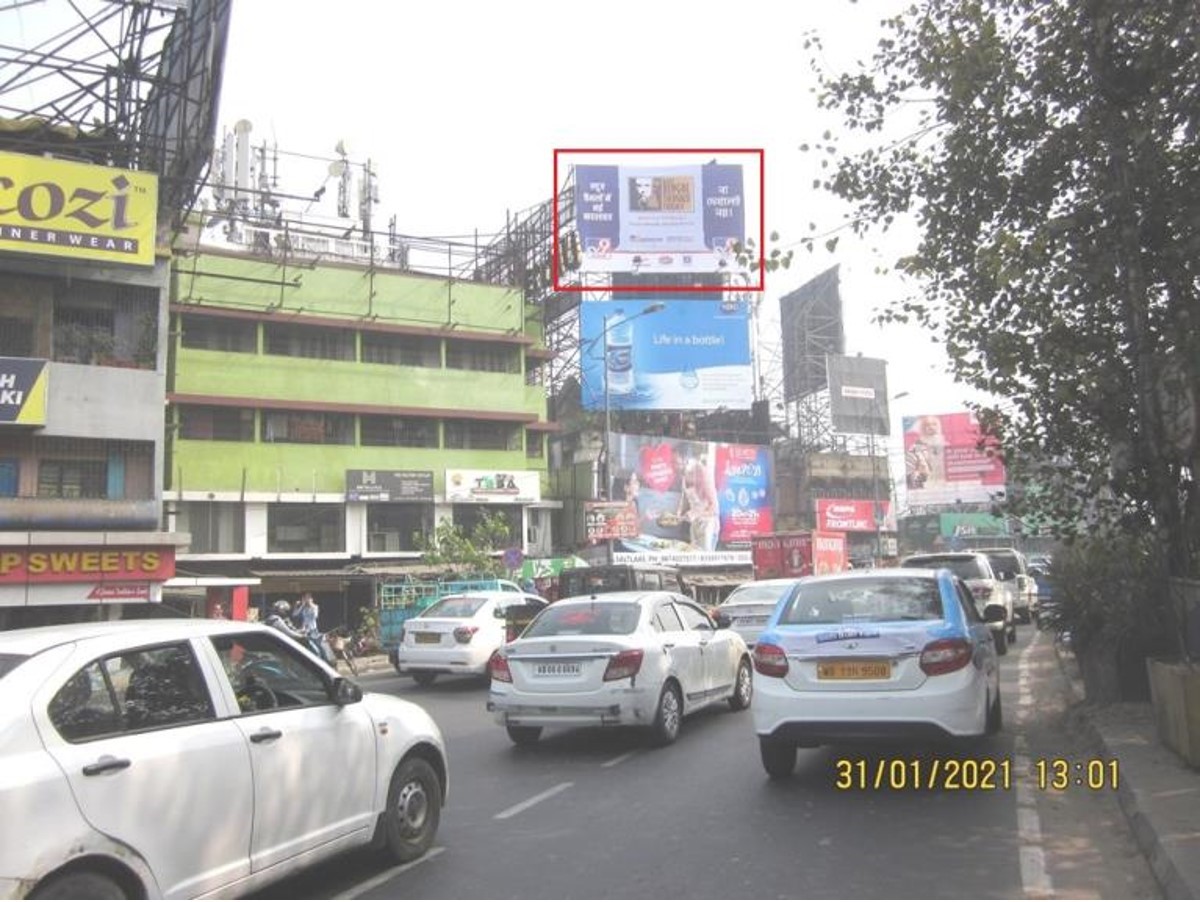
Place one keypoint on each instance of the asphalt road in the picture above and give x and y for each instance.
(602, 814)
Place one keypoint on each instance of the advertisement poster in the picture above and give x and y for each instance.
(668, 218)
(610, 520)
(854, 515)
(493, 486)
(696, 502)
(666, 355)
(946, 461)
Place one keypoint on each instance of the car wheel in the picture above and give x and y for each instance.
(524, 735)
(414, 806)
(668, 716)
(1001, 638)
(79, 885)
(743, 687)
(995, 717)
(778, 757)
(423, 677)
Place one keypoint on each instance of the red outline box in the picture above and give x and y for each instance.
(762, 217)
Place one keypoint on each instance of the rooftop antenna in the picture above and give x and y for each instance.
(368, 194)
(343, 206)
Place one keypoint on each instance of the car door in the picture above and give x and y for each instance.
(682, 648)
(151, 765)
(716, 648)
(312, 761)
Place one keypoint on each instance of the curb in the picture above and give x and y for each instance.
(1173, 884)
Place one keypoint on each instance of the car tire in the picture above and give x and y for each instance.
(414, 806)
(743, 687)
(668, 715)
(423, 677)
(778, 757)
(79, 885)
(995, 717)
(1001, 638)
(524, 735)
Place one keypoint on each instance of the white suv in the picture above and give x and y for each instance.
(1012, 567)
(974, 568)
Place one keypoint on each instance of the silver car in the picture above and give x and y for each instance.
(749, 606)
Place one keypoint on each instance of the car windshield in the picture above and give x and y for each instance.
(454, 606)
(865, 601)
(757, 594)
(962, 567)
(8, 662)
(1002, 561)
(586, 619)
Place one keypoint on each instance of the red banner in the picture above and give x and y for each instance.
(610, 520)
(853, 515)
(87, 564)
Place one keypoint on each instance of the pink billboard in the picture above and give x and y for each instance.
(853, 515)
(947, 460)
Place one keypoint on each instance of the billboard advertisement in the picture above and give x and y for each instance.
(811, 320)
(665, 218)
(858, 396)
(696, 502)
(610, 520)
(389, 485)
(23, 391)
(493, 487)
(666, 355)
(947, 462)
(854, 515)
(67, 209)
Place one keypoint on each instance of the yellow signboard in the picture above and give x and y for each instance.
(69, 209)
(23, 391)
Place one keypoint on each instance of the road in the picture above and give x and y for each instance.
(602, 814)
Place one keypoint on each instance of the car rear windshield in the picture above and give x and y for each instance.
(865, 601)
(591, 619)
(1001, 560)
(454, 606)
(8, 662)
(770, 594)
(962, 567)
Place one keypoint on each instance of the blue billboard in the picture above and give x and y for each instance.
(665, 355)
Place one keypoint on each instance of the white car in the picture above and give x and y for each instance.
(457, 634)
(747, 608)
(621, 658)
(878, 654)
(181, 758)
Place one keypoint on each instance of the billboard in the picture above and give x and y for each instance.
(810, 319)
(666, 355)
(66, 209)
(389, 485)
(610, 520)
(945, 461)
(23, 391)
(858, 395)
(493, 486)
(661, 218)
(854, 515)
(697, 502)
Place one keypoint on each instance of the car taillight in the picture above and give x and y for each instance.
(945, 656)
(463, 634)
(498, 668)
(623, 664)
(770, 660)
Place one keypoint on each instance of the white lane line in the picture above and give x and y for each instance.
(617, 760)
(1034, 878)
(1029, 826)
(529, 803)
(367, 885)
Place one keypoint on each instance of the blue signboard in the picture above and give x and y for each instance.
(665, 355)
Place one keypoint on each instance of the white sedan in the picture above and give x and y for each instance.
(458, 634)
(622, 658)
(747, 608)
(181, 758)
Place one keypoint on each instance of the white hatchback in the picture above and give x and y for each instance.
(457, 634)
(182, 758)
(621, 658)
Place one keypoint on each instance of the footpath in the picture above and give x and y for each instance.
(1159, 794)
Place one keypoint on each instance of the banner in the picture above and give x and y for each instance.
(67, 209)
(23, 391)
(666, 355)
(389, 485)
(664, 218)
(610, 520)
(493, 486)
(947, 462)
(854, 515)
(693, 499)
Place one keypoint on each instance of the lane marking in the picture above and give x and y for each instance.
(367, 885)
(1035, 880)
(617, 760)
(529, 803)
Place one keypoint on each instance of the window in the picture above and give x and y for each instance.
(967, 600)
(308, 341)
(308, 427)
(401, 350)
(483, 356)
(227, 424)
(16, 337)
(268, 672)
(306, 528)
(10, 472)
(482, 435)
(404, 432)
(535, 445)
(468, 516)
(693, 618)
(72, 479)
(666, 620)
(215, 527)
(392, 525)
(212, 334)
(865, 601)
(83, 334)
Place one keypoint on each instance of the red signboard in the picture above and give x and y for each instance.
(853, 515)
(610, 520)
(798, 554)
(103, 564)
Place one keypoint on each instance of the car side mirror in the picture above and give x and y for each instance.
(346, 692)
(994, 612)
(722, 619)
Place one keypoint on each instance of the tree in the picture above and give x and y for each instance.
(1052, 165)
(472, 553)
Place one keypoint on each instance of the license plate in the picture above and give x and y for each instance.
(854, 670)
(557, 669)
(751, 621)
(427, 638)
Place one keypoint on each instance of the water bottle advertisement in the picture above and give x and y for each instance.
(665, 355)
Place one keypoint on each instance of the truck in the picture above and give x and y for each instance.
(804, 553)
(401, 600)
